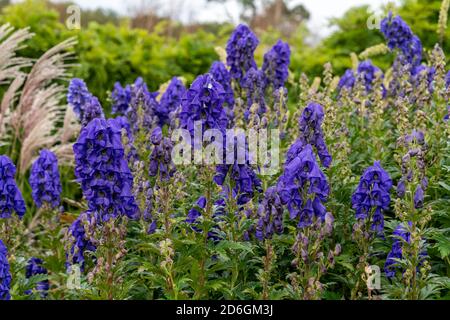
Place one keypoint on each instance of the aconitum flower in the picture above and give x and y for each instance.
(45, 180)
(34, 268)
(303, 187)
(447, 79)
(424, 73)
(242, 176)
(254, 84)
(121, 98)
(77, 96)
(127, 138)
(396, 252)
(372, 196)
(367, 70)
(102, 170)
(194, 213)
(11, 199)
(170, 101)
(347, 80)
(92, 110)
(311, 131)
(447, 116)
(5, 274)
(276, 65)
(81, 243)
(221, 74)
(203, 102)
(240, 49)
(141, 114)
(270, 215)
(161, 163)
(399, 36)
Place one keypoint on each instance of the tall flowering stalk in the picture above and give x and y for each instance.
(107, 183)
(270, 222)
(410, 209)
(240, 49)
(370, 199)
(303, 188)
(5, 274)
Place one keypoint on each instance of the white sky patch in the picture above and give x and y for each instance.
(203, 11)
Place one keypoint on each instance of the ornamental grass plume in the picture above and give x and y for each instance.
(45, 180)
(5, 274)
(11, 200)
(102, 170)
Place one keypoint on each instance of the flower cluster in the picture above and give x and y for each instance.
(221, 74)
(270, 215)
(5, 274)
(102, 170)
(121, 98)
(347, 80)
(77, 96)
(372, 196)
(11, 199)
(161, 163)
(240, 48)
(45, 180)
(366, 71)
(80, 240)
(170, 101)
(242, 177)
(414, 170)
(303, 187)
(85, 105)
(254, 84)
(34, 268)
(276, 65)
(399, 36)
(311, 131)
(195, 213)
(203, 102)
(141, 114)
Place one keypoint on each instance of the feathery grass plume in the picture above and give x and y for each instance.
(10, 68)
(38, 110)
(10, 43)
(376, 50)
(443, 17)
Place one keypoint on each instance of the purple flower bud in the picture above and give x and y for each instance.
(418, 197)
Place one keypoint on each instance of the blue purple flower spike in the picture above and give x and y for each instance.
(240, 49)
(276, 65)
(303, 187)
(5, 274)
(34, 268)
(372, 196)
(11, 200)
(45, 180)
(102, 170)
